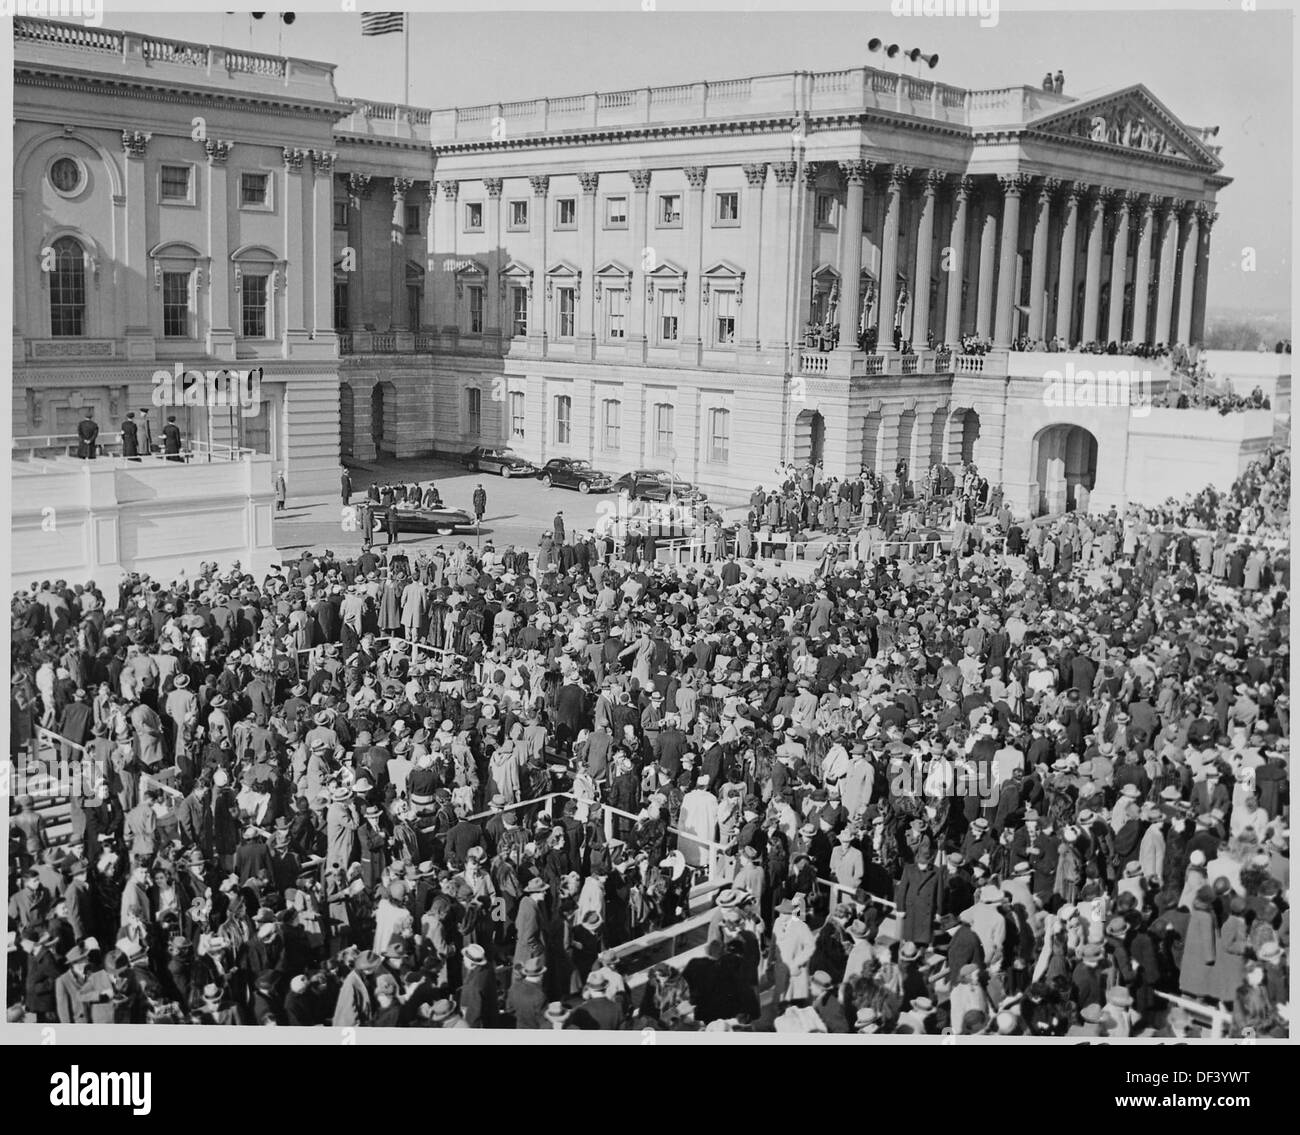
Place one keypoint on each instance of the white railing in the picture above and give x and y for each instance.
(345, 342)
(969, 364)
(247, 63)
(69, 35)
(728, 90)
(814, 364)
(174, 51)
(384, 342)
(873, 364)
(910, 364)
(680, 93)
(569, 104)
(942, 360)
(1219, 1020)
(615, 99)
(824, 81)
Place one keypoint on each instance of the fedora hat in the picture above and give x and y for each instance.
(533, 967)
(535, 887)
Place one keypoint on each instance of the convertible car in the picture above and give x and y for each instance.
(442, 521)
(571, 473)
(507, 463)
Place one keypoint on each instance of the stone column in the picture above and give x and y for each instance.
(537, 219)
(586, 285)
(1004, 327)
(930, 186)
(296, 283)
(445, 268)
(1065, 285)
(1191, 244)
(1169, 209)
(957, 260)
(689, 348)
(139, 275)
(1092, 264)
(221, 335)
(321, 316)
(1142, 271)
(751, 220)
(636, 299)
(898, 177)
(493, 318)
(784, 309)
(429, 310)
(1207, 218)
(987, 266)
(398, 319)
(1038, 258)
(1124, 201)
(358, 300)
(855, 176)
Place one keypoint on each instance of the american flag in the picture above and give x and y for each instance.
(382, 23)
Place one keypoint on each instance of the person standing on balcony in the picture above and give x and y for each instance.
(281, 491)
(345, 479)
(130, 439)
(88, 436)
(146, 433)
(172, 439)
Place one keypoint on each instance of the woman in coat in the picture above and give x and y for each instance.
(918, 898)
(793, 946)
(1229, 965)
(1197, 977)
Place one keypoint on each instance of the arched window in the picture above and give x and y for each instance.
(611, 424)
(720, 435)
(68, 289)
(563, 419)
(663, 429)
(517, 411)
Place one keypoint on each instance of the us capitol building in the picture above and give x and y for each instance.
(713, 276)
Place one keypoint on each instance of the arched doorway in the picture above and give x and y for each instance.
(347, 419)
(872, 441)
(809, 437)
(970, 434)
(383, 418)
(1064, 458)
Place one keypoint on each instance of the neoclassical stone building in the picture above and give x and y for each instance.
(710, 276)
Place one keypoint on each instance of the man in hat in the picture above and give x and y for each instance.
(478, 993)
(527, 997)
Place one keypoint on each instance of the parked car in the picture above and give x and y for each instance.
(656, 485)
(572, 473)
(507, 463)
(442, 521)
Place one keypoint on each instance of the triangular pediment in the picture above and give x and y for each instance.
(516, 268)
(666, 270)
(723, 269)
(470, 267)
(1132, 119)
(613, 268)
(564, 268)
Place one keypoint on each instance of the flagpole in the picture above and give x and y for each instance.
(406, 57)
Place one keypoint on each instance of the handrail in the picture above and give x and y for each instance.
(1220, 1020)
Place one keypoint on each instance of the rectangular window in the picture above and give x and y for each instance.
(414, 298)
(252, 307)
(340, 305)
(474, 216)
(518, 216)
(727, 209)
(474, 403)
(670, 210)
(668, 309)
(663, 440)
(341, 214)
(566, 213)
(519, 311)
(611, 423)
(616, 212)
(517, 414)
(475, 293)
(413, 218)
(720, 435)
(563, 419)
(564, 314)
(176, 305)
(615, 315)
(826, 210)
(254, 189)
(724, 318)
(175, 183)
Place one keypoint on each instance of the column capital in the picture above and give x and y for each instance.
(1143, 205)
(640, 179)
(755, 173)
(1078, 194)
(933, 182)
(450, 190)
(135, 142)
(1049, 187)
(217, 150)
(541, 183)
(401, 187)
(293, 158)
(1171, 205)
(1126, 200)
(899, 176)
(696, 175)
(322, 162)
(493, 185)
(1206, 215)
(964, 187)
(854, 173)
(1186, 209)
(785, 172)
(811, 172)
(590, 182)
(1014, 184)
(359, 185)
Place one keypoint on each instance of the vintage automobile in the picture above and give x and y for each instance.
(505, 462)
(656, 485)
(573, 473)
(441, 521)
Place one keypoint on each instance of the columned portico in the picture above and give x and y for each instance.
(987, 265)
(1206, 217)
(1119, 267)
(898, 176)
(930, 186)
(1142, 272)
(1038, 257)
(1092, 269)
(1165, 282)
(957, 258)
(855, 177)
(1065, 284)
(1191, 245)
(1012, 187)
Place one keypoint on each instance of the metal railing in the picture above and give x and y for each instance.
(1220, 1020)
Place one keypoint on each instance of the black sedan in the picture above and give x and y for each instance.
(572, 473)
(442, 521)
(655, 485)
(507, 463)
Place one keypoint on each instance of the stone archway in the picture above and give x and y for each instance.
(383, 418)
(872, 441)
(809, 438)
(347, 421)
(963, 435)
(1064, 461)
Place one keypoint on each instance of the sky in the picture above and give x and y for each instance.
(1230, 68)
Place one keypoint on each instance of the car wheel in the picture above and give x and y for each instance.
(584, 487)
(505, 473)
(546, 480)
(472, 466)
(446, 531)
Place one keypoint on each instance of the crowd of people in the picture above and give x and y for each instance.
(1027, 789)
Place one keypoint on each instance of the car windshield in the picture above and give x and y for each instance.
(579, 465)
